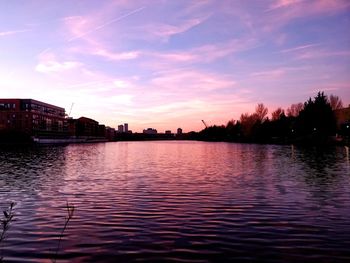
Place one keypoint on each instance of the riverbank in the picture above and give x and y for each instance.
(23, 139)
(312, 139)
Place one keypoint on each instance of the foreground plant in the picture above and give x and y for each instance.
(5, 225)
(70, 212)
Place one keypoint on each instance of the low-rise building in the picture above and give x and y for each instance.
(126, 127)
(120, 128)
(87, 127)
(32, 117)
(110, 133)
(150, 131)
(102, 130)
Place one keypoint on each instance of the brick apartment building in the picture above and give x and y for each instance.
(32, 118)
(86, 127)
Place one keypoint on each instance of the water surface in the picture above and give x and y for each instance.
(177, 202)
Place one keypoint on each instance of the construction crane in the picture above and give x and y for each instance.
(71, 107)
(206, 126)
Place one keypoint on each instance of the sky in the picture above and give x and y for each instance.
(166, 64)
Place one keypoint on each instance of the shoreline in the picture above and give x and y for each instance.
(59, 141)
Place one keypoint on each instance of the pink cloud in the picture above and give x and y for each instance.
(341, 89)
(192, 81)
(270, 74)
(316, 54)
(54, 66)
(13, 32)
(298, 7)
(165, 31)
(116, 56)
(48, 63)
(174, 57)
(120, 83)
(281, 12)
(312, 51)
(279, 73)
(89, 30)
(283, 3)
(214, 51)
(202, 54)
(78, 26)
(337, 85)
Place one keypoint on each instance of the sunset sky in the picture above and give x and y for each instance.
(171, 63)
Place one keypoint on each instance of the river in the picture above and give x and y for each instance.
(176, 201)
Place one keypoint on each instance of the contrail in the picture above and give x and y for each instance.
(44, 51)
(299, 48)
(107, 23)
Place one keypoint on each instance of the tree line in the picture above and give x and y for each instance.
(311, 122)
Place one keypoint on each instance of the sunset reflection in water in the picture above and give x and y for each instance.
(178, 201)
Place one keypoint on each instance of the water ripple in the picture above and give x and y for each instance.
(177, 202)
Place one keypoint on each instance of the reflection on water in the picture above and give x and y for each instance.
(178, 201)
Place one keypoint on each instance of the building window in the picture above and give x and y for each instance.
(5, 106)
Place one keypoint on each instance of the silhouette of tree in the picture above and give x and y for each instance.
(261, 112)
(247, 122)
(336, 102)
(280, 126)
(276, 115)
(317, 117)
(311, 122)
(251, 123)
(230, 124)
(214, 133)
(295, 109)
(233, 130)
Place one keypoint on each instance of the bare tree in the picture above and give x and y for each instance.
(336, 102)
(277, 114)
(261, 112)
(295, 109)
(231, 123)
(247, 122)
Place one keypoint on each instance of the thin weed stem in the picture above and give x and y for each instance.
(70, 212)
(5, 225)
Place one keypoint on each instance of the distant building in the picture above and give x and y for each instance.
(87, 127)
(110, 133)
(126, 128)
(179, 131)
(150, 131)
(72, 126)
(32, 117)
(84, 127)
(120, 128)
(167, 132)
(101, 130)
